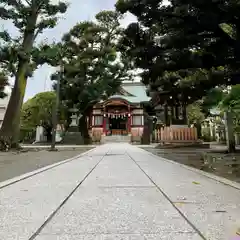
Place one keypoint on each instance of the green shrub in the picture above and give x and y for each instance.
(27, 135)
(206, 136)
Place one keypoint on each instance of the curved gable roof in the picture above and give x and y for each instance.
(137, 92)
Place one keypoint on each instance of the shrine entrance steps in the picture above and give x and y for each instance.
(116, 139)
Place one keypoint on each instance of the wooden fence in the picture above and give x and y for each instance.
(173, 134)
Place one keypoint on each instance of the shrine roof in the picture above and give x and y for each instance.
(134, 92)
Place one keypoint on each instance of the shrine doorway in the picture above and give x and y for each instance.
(117, 117)
(118, 126)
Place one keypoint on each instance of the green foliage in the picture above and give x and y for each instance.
(232, 102)
(206, 135)
(232, 99)
(212, 99)
(38, 111)
(27, 135)
(3, 84)
(185, 48)
(195, 113)
(4, 36)
(93, 66)
(225, 101)
(30, 19)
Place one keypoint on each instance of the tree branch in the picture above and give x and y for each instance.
(38, 31)
(28, 2)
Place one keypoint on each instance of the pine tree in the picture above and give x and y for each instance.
(186, 47)
(93, 66)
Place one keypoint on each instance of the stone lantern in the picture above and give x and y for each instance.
(73, 136)
(74, 118)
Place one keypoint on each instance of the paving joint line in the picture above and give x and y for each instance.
(45, 169)
(126, 187)
(169, 200)
(124, 233)
(50, 217)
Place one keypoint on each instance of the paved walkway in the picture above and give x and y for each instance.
(117, 192)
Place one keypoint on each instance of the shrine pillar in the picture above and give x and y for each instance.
(104, 122)
(97, 124)
(129, 120)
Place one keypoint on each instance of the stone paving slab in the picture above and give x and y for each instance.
(161, 236)
(214, 208)
(25, 205)
(119, 171)
(126, 194)
(117, 211)
(117, 201)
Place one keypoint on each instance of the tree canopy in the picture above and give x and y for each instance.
(195, 113)
(185, 48)
(93, 65)
(38, 111)
(231, 101)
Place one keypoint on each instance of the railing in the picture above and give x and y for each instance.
(173, 134)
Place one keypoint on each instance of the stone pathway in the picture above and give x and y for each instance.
(118, 192)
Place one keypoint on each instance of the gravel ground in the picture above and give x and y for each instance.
(13, 164)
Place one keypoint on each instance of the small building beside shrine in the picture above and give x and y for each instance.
(121, 114)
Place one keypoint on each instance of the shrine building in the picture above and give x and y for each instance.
(121, 114)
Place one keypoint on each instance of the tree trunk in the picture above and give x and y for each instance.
(9, 133)
(48, 134)
(229, 132)
(198, 126)
(84, 129)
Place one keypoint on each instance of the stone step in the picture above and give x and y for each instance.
(116, 138)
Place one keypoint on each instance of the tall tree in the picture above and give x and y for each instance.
(30, 18)
(186, 47)
(93, 65)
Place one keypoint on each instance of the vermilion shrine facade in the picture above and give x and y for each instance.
(121, 114)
